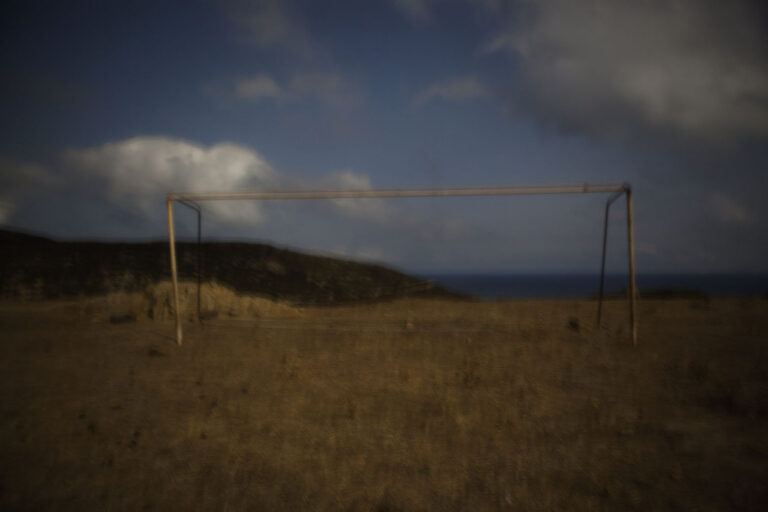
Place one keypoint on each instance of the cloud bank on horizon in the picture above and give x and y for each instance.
(237, 95)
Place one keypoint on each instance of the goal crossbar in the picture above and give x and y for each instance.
(615, 189)
(403, 192)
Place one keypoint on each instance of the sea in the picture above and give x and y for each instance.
(529, 286)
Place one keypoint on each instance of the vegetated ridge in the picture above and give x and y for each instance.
(35, 268)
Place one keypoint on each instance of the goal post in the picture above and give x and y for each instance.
(615, 189)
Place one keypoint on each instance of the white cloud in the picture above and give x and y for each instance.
(348, 180)
(374, 210)
(420, 11)
(391, 215)
(457, 89)
(20, 180)
(693, 66)
(729, 211)
(138, 172)
(325, 86)
(272, 24)
(21, 176)
(261, 86)
(135, 174)
(415, 10)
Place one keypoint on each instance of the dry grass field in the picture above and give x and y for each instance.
(405, 405)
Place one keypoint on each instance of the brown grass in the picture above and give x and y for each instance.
(409, 405)
(155, 302)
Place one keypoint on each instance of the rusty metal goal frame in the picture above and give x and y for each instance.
(615, 189)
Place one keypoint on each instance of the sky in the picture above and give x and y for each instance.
(110, 105)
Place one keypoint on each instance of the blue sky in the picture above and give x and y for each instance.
(109, 105)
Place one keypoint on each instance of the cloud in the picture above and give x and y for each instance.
(693, 67)
(272, 24)
(370, 210)
(415, 10)
(419, 12)
(20, 180)
(137, 173)
(6, 210)
(464, 88)
(326, 87)
(21, 175)
(118, 189)
(261, 86)
(728, 210)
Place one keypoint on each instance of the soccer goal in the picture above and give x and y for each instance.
(615, 190)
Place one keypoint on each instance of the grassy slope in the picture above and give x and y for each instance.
(408, 405)
(39, 268)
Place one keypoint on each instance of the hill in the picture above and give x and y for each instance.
(34, 268)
